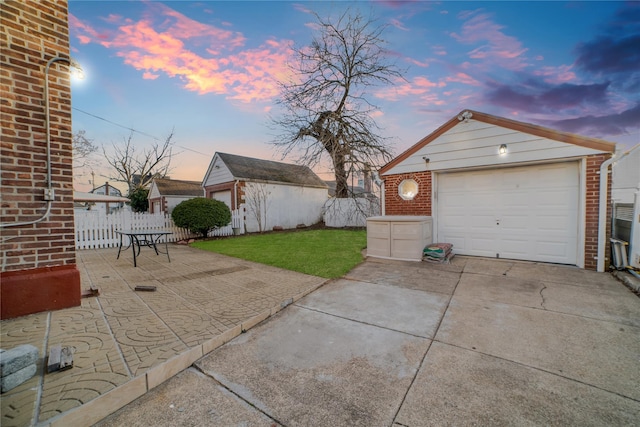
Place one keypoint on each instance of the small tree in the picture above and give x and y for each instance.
(138, 199)
(257, 198)
(201, 215)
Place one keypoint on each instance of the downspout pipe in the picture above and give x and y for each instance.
(602, 209)
(49, 195)
(380, 183)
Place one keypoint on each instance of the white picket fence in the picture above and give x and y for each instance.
(94, 230)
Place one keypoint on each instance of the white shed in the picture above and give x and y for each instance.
(274, 194)
(165, 194)
(500, 188)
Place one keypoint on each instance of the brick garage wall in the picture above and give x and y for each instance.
(396, 205)
(592, 207)
(31, 33)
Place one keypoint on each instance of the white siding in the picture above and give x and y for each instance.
(626, 177)
(475, 144)
(288, 206)
(217, 173)
(154, 193)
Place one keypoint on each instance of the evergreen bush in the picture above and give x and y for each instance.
(201, 215)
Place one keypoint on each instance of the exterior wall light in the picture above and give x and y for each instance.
(76, 70)
(503, 149)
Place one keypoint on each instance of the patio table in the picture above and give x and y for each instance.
(139, 238)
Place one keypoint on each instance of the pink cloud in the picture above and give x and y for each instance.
(495, 47)
(464, 79)
(556, 75)
(165, 41)
(399, 25)
(420, 89)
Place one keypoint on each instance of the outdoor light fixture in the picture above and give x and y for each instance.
(77, 71)
(426, 160)
(503, 149)
(466, 116)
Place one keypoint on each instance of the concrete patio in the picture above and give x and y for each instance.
(478, 342)
(128, 342)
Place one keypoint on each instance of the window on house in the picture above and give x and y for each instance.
(408, 189)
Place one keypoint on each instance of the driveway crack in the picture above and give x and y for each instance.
(276, 421)
(542, 296)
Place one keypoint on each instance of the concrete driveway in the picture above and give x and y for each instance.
(476, 342)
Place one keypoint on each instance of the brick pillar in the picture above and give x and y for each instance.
(592, 208)
(38, 260)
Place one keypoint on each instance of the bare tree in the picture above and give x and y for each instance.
(257, 197)
(326, 112)
(83, 150)
(138, 168)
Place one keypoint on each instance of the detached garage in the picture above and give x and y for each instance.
(495, 187)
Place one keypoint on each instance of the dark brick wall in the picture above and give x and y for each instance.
(31, 33)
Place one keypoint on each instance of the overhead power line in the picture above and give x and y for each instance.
(136, 130)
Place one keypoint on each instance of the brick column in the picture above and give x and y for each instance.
(592, 210)
(38, 260)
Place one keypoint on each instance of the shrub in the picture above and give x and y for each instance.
(201, 215)
(138, 199)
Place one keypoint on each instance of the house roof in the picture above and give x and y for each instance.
(176, 187)
(540, 131)
(266, 170)
(79, 196)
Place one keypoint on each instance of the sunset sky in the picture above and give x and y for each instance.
(208, 70)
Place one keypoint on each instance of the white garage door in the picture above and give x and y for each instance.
(527, 213)
(223, 196)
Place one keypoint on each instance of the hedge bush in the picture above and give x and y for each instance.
(201, 215)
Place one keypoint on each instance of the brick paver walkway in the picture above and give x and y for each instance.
(127, 342)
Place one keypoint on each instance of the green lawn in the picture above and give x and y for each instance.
(324, 253)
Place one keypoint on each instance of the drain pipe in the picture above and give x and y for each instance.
(380, 183)
(602, 209)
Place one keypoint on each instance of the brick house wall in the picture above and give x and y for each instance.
(38, 260)
(396, 205)
(422, 204)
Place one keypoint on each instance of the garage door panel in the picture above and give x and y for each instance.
(527, 212)
(553, 250)
(483, 246)
(556, 223)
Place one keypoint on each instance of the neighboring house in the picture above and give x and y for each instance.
(275, 194)
(107, 207)
(165, 194)
(625, 195)
(495, 187)
(87, 203)
(39, 270)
